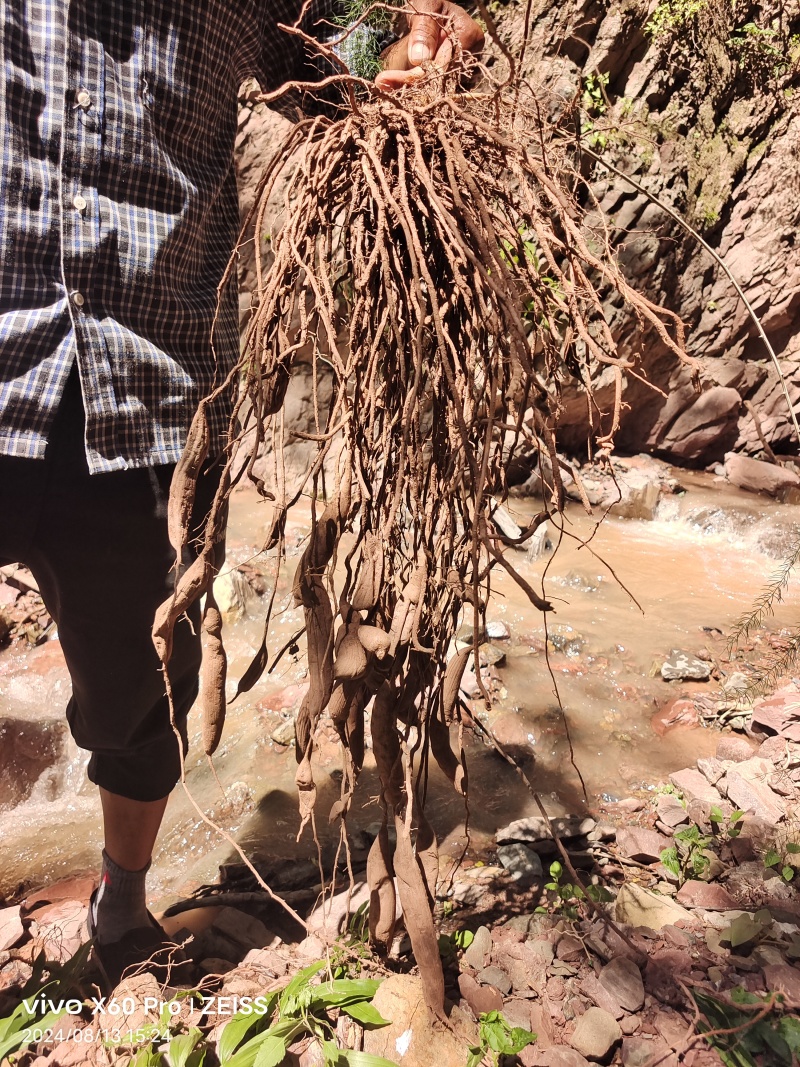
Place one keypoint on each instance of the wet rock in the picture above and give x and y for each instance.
(756, 476)
(622, 979)
(596, 1034)
(411, 1038)
(233, 594)
(710, 896)
(79, 887)
(481, 998)
(522, 864)
(283, 734)
(682, 666)
(637, 1051)
(783, 978)
(678, 712)
(600, 996)
(539, 543)
(496, 630)
(534, 828)
(495, 976)
(736, 749)
(640, 489)
(640, 907)
(28, 751)
(695, 786)
(511, 730)
(670, 810)
(638, 843)
(11, 928)
(476, 953)
(746, 786)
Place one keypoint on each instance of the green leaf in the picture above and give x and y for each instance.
(271, 1051)
(556, 870)
(14, 1032)
(793, 848)
(715, 814)
(342, 991)
(243, 1024)
(789, 1029)
(772, 858)
(519, 1038)
(742, 929)
(463, 938)
(182, 1046)
(365, 1014)
(281, 1033)
(736, 816)
(787, 873)
(299, 983)
(690, 833)
(669, 858)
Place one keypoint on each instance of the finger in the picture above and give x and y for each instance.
(396, 79)
(465, 29)
(395, 57)
(426, 31)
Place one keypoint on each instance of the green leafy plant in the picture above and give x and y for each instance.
(785, 861)
(726, 827)
(759, 1037)
(498, 1038)
(251, 1040)
(688, 857)
(671, 16)
(568, 894)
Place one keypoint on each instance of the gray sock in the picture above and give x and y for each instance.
(119, 903)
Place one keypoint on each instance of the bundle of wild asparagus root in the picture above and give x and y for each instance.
(434, 253)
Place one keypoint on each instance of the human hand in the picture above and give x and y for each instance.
(432, 25)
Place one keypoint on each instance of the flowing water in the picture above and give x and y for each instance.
(698, 565)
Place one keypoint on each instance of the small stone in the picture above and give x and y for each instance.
(706, 895)
(283, 734)
(774, 749)
(734, 748)
(681, 666)
(524, 865)
(11, 928)
(599, 995)
(475, 955)
(481, 998)
(678, 712)
(694, 786)
(639, 907)
(496, 977)
(630, 804)
(630, 1024)
(496, 630)
(670, 810)
(570, 949)
(541, 1024)
(596, 1034)
(783, 978)
(711, 769)
(637, 1051)
(748, 789)
(622, 979)
(638, 843)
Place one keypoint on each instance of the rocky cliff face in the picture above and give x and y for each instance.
(699, 102)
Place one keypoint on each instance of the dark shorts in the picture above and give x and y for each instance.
(98, 547)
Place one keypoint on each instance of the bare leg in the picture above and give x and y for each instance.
(131, 828)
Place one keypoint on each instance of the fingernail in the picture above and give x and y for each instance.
(419, 52)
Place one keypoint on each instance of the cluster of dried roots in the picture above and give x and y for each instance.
(433, 253)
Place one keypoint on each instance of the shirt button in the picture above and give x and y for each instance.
(79, 203)
(84, 98)
(78, 299)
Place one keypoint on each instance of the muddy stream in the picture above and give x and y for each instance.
(697, 565)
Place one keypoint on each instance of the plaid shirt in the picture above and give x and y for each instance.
(118, 211)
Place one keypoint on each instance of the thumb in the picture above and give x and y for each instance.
(424, 35)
